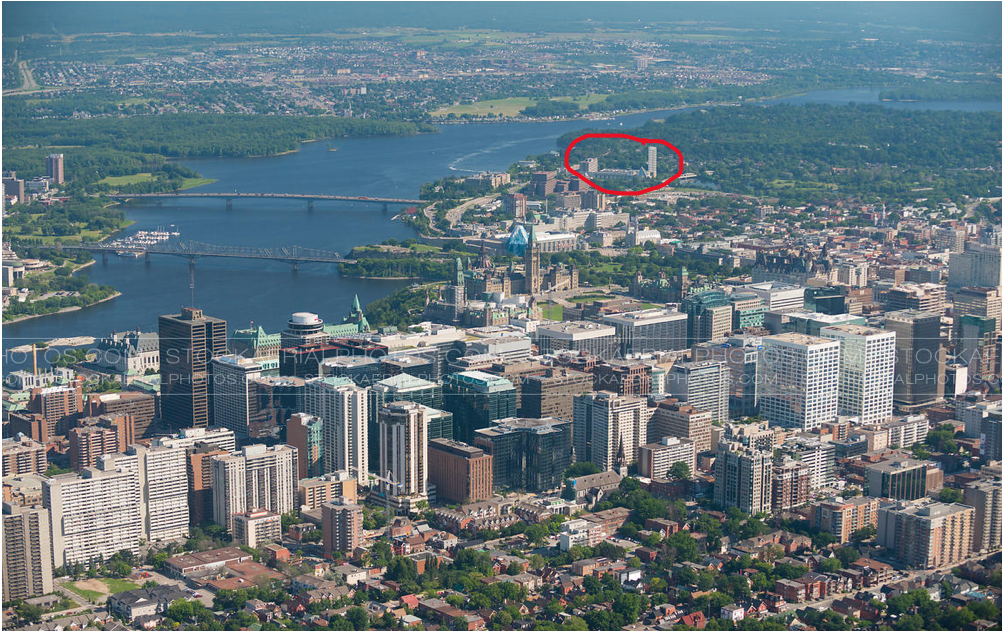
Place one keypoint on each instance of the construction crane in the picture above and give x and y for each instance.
(388, 480)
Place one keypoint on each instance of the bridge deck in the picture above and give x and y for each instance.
(301, 196)
(196, 249)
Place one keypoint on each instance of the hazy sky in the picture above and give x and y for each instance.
(892, 19)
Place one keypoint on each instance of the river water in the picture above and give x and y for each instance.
(266, 292)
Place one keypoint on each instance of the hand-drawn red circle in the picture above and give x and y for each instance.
(643, 141)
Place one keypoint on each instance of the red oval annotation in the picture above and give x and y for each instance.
(643, 141)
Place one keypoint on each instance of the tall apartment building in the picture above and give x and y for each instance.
(403, 455)
(93, 514)
(23, 455)
(54, 168)
(649, 330)
(742, 478)
(917, 296)
(739, 353)
(142, 406)
(755, 435)
(920, 362)
(672, 418)
(703, 385)
(866, 371)
(553, 392)
(314, 492)
(843, 517)
(979, 265)
(609, 429)
(925, 534)
(515, 204)
(598, 339)
(58, 407)
(984, 302)
(231, 392)
(305, 433)
(344, 409)
(162, 475)
(341, 524)
(950, 238)
(976, 348)
(96, 437)
(818, 456)
(477, 399)
(791, 485)
(199, 471)
(188, 342)
(657, 459)
(461, 473)
(903, 479)
(530, 454)
(800, 377)
(986, 498)
(27, 552)
(254, 478)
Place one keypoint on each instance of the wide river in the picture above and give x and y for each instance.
(267, 292)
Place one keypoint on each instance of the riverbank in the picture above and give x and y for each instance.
(64, 310)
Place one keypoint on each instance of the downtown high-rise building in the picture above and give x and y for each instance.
(256, 477)
(93, 514)
(742, 478)
(920, 362)
(305, 433)
(341, 526)
(986, 498)
(657, 459)
(800, 379)
(232, 391)
(609, 429)
(188, 342)
(344, 409)
(705, 385)
(926, 535)
(477, 399)
(866, 371)
(27, 552)
(162, 475)
(672, 418)
(528, 453)
(54, 168)
(979, 265)
(403, 454)
(460, 473)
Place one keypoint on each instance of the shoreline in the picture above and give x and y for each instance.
(63, 310)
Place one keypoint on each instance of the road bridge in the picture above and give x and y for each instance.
(192, 250)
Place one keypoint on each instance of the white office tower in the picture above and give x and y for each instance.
(865, 372)
(344, 409)
(742, 478)
(609, 429)
(777, 296)
(705, 385)
(799, 385)
(403, 454)
(978, 266)
(231, 375)
(162, 475)
(256, 477)
(94, 514)
(652, 161)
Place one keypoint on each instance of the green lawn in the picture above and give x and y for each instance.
(115, 585)
(588, 298)
(512, 106)
(122, 180)
(552, 311)
(192, 182)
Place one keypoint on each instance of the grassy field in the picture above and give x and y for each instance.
(512, 106)
(124, 180)
(95, 588)
(588, 298)
(85, 234)
(552, 311)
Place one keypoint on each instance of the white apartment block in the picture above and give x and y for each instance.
(817, 456)
(903, 433)
(656, 459)
(257, 477)
(604, 422)
(403, 453)
(231, 375)
(800, 376)
(163, 488)
(187, 438)
(94, 514)
(344, 409)
(866, 371)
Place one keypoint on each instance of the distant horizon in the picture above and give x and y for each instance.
(892, 20)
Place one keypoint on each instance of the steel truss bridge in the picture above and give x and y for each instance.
(192, 250)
